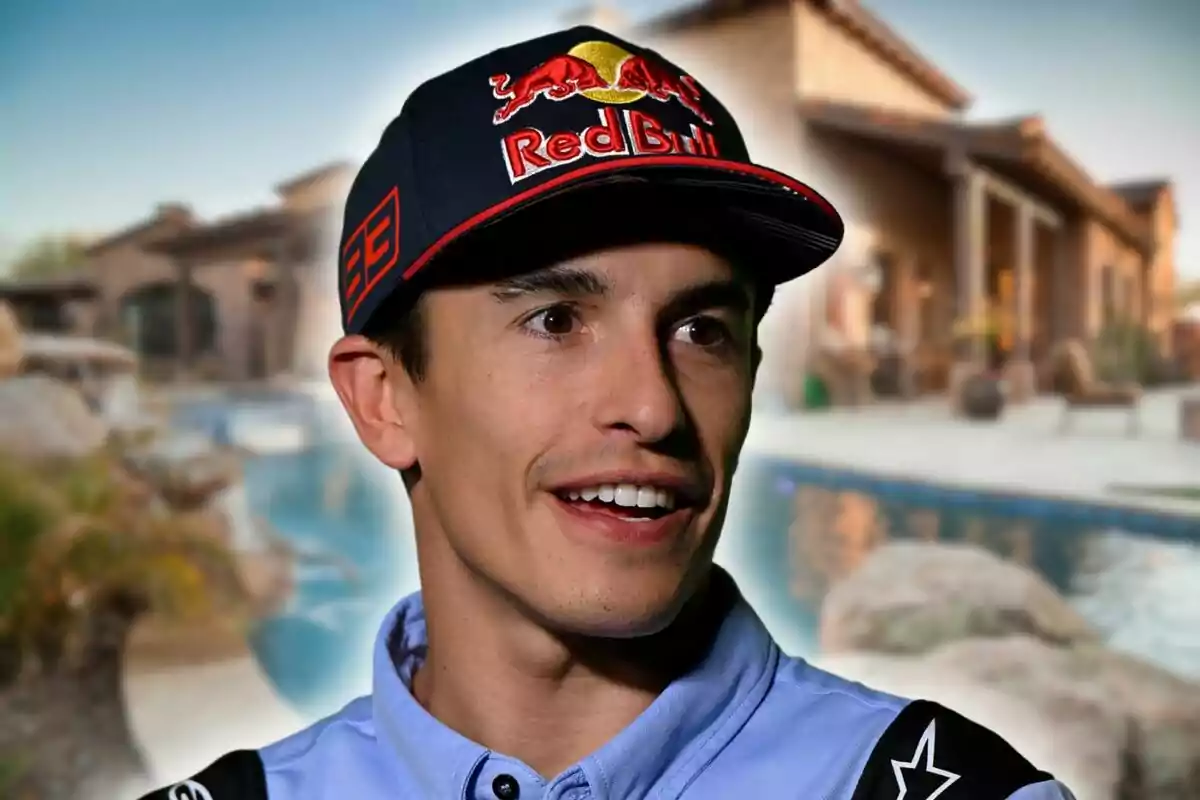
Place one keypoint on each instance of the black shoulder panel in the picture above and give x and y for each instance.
(237, 775)
(932, 753)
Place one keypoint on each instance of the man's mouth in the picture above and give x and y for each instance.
(624, 500)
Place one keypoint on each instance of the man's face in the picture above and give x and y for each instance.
(577, 430)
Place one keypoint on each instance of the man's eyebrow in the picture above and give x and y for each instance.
(731, 295)
(563, 280)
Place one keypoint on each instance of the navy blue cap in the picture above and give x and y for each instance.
(574, 139)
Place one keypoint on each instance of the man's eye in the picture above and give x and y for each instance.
(704, 332)
(553, 322)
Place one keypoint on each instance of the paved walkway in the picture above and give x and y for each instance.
(1024, 453)
(184, 717)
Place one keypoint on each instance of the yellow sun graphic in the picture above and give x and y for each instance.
(606, 57)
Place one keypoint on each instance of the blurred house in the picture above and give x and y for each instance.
(946, 218)
(219, 300)
(1187, 340)
(55, 304)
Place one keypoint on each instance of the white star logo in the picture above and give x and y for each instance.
(188, 790)
(926, 745)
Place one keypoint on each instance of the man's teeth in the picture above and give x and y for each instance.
(627, 495)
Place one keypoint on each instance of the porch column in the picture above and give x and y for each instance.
(970, 230)
(1069, 299)
(184, 335)
(1020, 372)
(268, 324)
(813, 317)
(1146, 296)
(1139, 280)
(970, 221)
(291, 258)
(906, 308)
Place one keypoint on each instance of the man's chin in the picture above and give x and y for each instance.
(616, 615)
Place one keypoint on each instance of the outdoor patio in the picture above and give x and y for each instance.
(1023, 453)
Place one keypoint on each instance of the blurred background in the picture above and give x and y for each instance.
(974, 471)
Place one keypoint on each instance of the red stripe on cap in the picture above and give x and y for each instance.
(705, 162)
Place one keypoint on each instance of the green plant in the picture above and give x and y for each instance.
(1125, 350)
(78, 534)
(13, 769)
(49, 256)
(1170, 492)
(981, 330)
(26, 514)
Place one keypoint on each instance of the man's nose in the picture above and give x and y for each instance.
(641, 394)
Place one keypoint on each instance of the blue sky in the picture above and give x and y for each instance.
(111, 106)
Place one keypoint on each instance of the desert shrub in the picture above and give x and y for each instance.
(13, 768)
(79, 533)
(1128, 351)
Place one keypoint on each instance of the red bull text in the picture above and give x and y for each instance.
(629, 132)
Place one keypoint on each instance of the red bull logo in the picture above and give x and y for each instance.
(620, 133)
(600, 71)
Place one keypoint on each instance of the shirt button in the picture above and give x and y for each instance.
(505, 787)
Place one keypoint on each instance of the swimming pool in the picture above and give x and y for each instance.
(355, 566)
(346, 517)
(801, 527)
(793, 530)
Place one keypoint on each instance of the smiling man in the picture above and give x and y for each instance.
(552, 271)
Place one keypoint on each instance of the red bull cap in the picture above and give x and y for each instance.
(573, 140)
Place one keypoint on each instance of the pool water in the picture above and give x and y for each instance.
(354, 562)
(801, 529)
(346, 516)
(792, 532)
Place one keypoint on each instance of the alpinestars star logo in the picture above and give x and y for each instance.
(922, 774)
(188, 790)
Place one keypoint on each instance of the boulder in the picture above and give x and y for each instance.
(1102, 718)
(909, 597)
(1070, 731)
(187, 470)
(956, 624)
(1163, 712)
(41, 417)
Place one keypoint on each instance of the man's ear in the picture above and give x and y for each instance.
(372, 389)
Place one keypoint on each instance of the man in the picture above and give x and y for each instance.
(552, 270)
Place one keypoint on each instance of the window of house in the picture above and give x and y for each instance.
(44, 316)
(148, 314)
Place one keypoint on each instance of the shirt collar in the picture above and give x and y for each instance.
(662, 750)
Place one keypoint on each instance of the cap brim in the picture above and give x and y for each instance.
(774, 226)
(770, 226)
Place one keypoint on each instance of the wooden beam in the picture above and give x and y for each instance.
(879, 124)
(957, 164)
(1018, 197)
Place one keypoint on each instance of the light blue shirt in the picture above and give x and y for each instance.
(748, 722)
